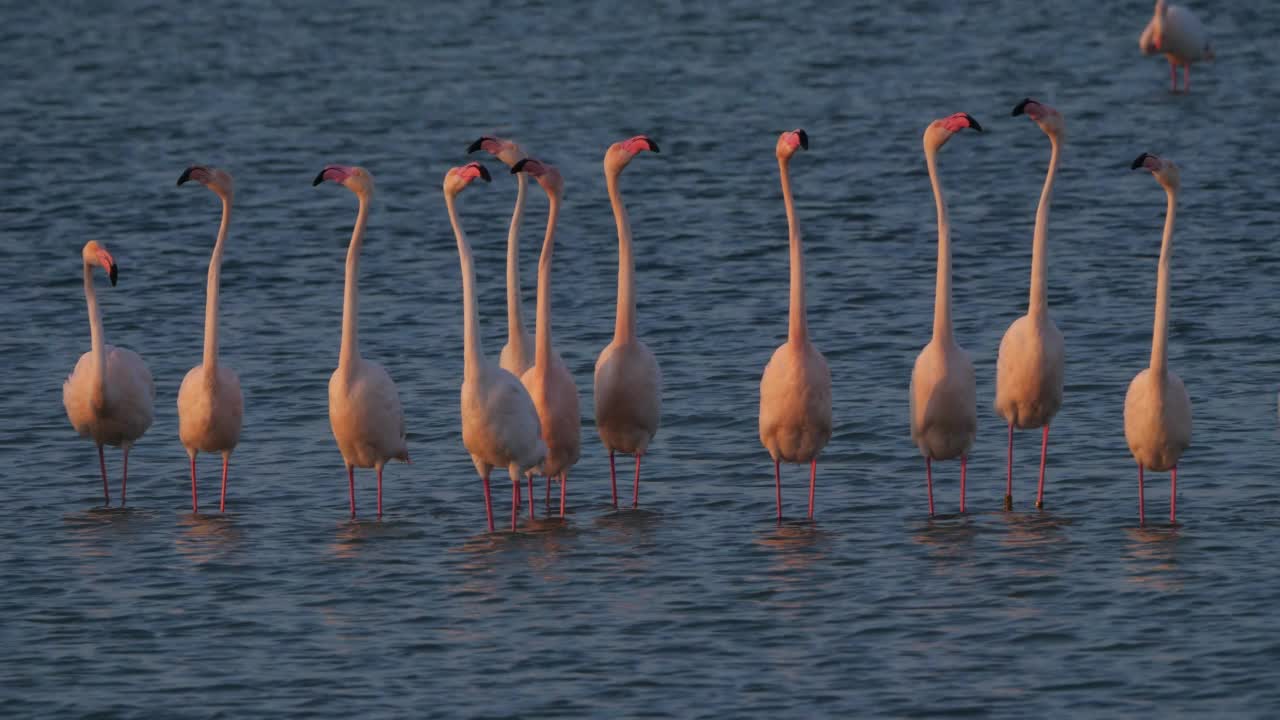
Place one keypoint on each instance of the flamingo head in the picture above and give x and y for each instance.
(356, 179)
(508, 151)
(94, 254)
(941, 130)
(216, 180)
(1048, 118)
(459, 177)
(546, 174)
(1165, 171)
(791, 141)
(1157, 24)
(620, 153)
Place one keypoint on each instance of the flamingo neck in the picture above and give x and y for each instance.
(798, 326)
(98, 346)
(1039, 303)
(1160, 335)
(515, 321)
(942, 293)
(472, 354)
(349, 354)
(211, 294)
(624, 329)
(542, 343)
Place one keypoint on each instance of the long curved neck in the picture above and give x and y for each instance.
(515, 322)
(1160, 335)
(942, 293)
(211, 294)
(624, 329)
(350, 352)
(472, 354)
(1039, 302)
(798, 330)
(542, 343)
(98, 345)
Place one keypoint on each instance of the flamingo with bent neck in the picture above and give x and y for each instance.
(550, 385)
(944, 413)
(500, 425)
(1176, 32)
(210, 404)
(1157, 409)
(517, 354)
(795, 390)
(110, 395)
(628, 382)
(364, 404)
(1029, 368)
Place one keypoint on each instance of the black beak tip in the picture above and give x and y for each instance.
(515, 169)
(653, 146)
(804, 138)
(319, 179)
(113, 274)
(973, 123)
(186, 175)
(484, 173)
(475, 145)
(1020, 107)
(1138, 162)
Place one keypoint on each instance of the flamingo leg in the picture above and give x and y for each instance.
(564, 490)
(222, 501)
(488, 502)
(515, 502)
(531, 496)
(195, 496)
(777, 487)
(102, 463)
(1173, 495)
(1008, 487)
(548, 503)
(635, 489)
(124, 479)
(351, 488)
(964, 470)
(613, 480)
(1142, 505)
(813, 483)
(379, 491)
(1044, 456)
(928, 476)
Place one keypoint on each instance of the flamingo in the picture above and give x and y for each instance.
(628, 383)
(210, 404)
(1176, 31)
(364, 405)
(1029, 368)
(944, 413)
(499, 421)
(554, 393)
(110, 395)
(1157, 410)
(795, 390)
(517, 354)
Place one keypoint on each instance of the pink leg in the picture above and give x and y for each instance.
(488, 502)
(351, 488)
(635, 489)
(1173, 495)
(530, 496)
(964, 470)
(1044, 456)
(564, 490)
(379, 491)
(515, 503)
(106, 492)
(1186, 78)
(613, 480)
(813, 483)
(124, 480)
(1008, 486)
(222, 502)
(548, 503)
(928, 476)
(777, 487)
(195, 500)
(1142, 504)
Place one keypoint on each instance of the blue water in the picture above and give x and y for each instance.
(697, 604)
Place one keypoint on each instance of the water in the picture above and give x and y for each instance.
(697, 605)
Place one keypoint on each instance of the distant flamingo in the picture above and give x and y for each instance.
(628, 383)
(109, 395)
(517, 354)
(210, 405)
(944, 413)
(499, 422)
(1157, 410)
(554, 393)
(1029, 368)
(364, 405)
(795, 390)
(1176, 31)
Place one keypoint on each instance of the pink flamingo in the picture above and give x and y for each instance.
(1176, 31)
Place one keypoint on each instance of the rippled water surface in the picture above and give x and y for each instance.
(697, 604)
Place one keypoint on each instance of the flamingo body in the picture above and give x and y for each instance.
(210, 409)
(628, 396)
(1157, 419)
(795, 403)
(1029, 370)
(944, 410)
(365, 415)
(1176, 32)
(120, 413)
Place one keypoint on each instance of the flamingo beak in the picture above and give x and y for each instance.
(1021, 107)
(804, 138)
(186, 175)
(972, 123)
(478, 144)
(1141, 161)
(108, 263)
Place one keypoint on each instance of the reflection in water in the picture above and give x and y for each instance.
(207, 537)
(1152, 560)
(98, 530)
(949, 540)
(793, 546)
(1034, 529)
